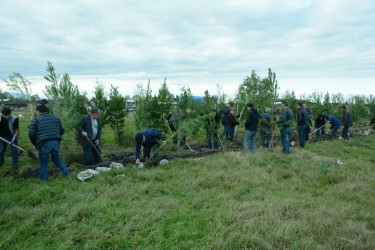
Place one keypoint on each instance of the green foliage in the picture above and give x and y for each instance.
(100, 101)
(65, 99)
(261, 92)
(371, 105)
(327, 105)
(164, 107)
(290, 98)
(116, 112)
(144, 106)
(358, 108)
(21, 86)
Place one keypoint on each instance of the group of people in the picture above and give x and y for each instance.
(46, 130)
(45, 133)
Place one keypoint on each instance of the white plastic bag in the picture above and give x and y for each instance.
(116, 165)
(103, 169)
(164, 162)
(87, 174)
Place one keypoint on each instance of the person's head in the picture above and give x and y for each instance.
(6, 113)
(234, 110)
(139, 138)
(95, 113)
(305, 106)
(43, 102)
(299, 105)
(268, 110)
(41, 108)
(250, 106)
(343, 108)
(285, 105)
(227, 105)
(188, 112)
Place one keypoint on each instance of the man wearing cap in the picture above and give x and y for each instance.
(89, 128)
(232, 122)
(285, 123)
(148, 138)
(346, 122)
(9, 130)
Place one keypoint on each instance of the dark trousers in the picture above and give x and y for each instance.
(323, 129)
(307, 131)
(265, 133)
(226, 132)
(230, 132)
(301, 135)
(147, 153)
(175, 138)
(89, 152)
(345, 133)
(284, 137)
(212, 138)
(3, 148)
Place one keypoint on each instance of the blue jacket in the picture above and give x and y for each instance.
(45, 128)
(152, 136)
(334, 121)
(285, 120)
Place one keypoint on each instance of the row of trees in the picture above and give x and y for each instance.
(152, 109)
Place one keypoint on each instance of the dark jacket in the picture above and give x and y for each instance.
(285, 120)
(232, 120)
(85, 125)
(45, 128)
(302, 117)
(346, 119)
(152, 136)
(224, 112)
(265, 120)
(320, 121)
(251, 123)
(334, 121)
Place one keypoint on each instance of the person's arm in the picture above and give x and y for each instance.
(282, 118)
(16, 130)
(248, 119)
(62, 130)
(80, 127)
(137, 153)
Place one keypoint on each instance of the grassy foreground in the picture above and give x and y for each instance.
(263, 200)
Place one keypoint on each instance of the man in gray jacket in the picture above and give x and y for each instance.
(346, 122)
(302, 123)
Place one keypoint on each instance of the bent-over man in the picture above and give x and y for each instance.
(148, 138)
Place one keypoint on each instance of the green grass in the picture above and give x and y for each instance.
(265, 200)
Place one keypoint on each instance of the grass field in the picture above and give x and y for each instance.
(229, 200)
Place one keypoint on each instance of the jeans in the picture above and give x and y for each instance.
(334, 130)
(89, 152)
(284, 136)
(53, 148)
(323, 129)
(211, 133)
(345, 133)
(226, 132)
(3, 148)
(249, 136)
(230, 132)
(265, 133)
(147, 152)
(301, 135)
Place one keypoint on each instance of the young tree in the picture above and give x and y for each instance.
(21, 86)
(144, 106)
(116, 112)
(358, 108)
(100, 101)
(165, 100)
(327, 105)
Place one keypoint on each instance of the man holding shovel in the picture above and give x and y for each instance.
(9, 130)
(148, 138)
(89, 134)
(45, 133)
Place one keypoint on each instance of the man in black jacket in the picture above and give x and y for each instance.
(302, 122)
(251, 127)
(89, 128)
(346, 122)
(285, 123)
(224, 112)
(45, 133)
(309, 122)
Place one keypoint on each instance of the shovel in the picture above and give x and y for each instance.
(29, 153)
(97, 151)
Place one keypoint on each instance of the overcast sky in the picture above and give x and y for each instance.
(325, 45)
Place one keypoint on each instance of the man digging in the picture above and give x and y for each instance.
(149, 138)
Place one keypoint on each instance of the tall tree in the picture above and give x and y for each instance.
(164, 107)
(21, 86)
(100, 101)
(116, 112)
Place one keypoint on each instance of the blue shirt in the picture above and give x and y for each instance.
(334, 121)
(152, 136)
